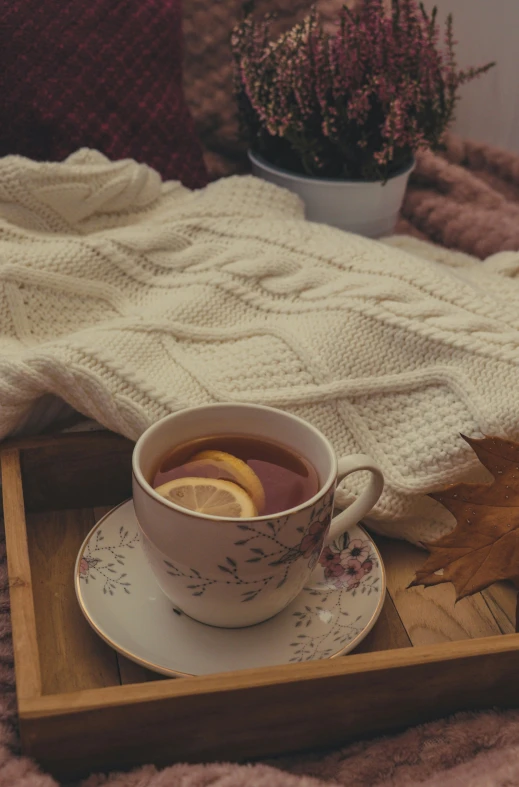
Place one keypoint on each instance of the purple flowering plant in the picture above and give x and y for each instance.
(354, 103)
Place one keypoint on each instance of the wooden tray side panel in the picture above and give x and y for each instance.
(78, 472)
(25, 643)
(267, 720)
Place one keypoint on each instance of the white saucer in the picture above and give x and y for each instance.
(120, 598)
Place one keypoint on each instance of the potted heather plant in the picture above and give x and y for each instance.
(337, 117)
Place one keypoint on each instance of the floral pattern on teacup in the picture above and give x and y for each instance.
(347, 562)
(265, 543)
(101, 560)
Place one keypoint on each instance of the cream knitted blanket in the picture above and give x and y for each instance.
(129, 298)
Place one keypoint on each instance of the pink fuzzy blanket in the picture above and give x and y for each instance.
(476, 749)
(466, 198)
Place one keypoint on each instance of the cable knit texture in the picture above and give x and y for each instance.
(130, 298)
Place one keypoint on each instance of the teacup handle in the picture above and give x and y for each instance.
(360, 507)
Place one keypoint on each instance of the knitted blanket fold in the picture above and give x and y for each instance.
(129, 298)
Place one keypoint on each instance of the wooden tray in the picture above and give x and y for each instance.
(83, 708)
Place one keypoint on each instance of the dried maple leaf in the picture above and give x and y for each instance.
(484, 546)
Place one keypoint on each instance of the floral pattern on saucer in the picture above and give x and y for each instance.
(118, 593)
(101, 560)
(349, 566)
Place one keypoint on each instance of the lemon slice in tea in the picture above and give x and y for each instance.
(238, 470)
(210, 496)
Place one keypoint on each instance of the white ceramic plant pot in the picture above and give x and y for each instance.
(367, 208)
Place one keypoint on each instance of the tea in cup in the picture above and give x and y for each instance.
(235, 504)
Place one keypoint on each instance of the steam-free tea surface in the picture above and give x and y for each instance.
(286, 478)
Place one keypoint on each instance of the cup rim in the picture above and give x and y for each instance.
(148, 489)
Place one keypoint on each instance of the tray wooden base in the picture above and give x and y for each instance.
(83, 707)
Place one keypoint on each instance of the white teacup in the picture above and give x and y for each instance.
(237, 572)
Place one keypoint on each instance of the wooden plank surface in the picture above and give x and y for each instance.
(72, 656)
(501, 599)
(388, 632)
(430, 615)
(130, 672)
(25, 644)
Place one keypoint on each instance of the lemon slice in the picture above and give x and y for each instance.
(239, 471)
(211, 496)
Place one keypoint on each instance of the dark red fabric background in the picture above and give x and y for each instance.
(105, 74)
